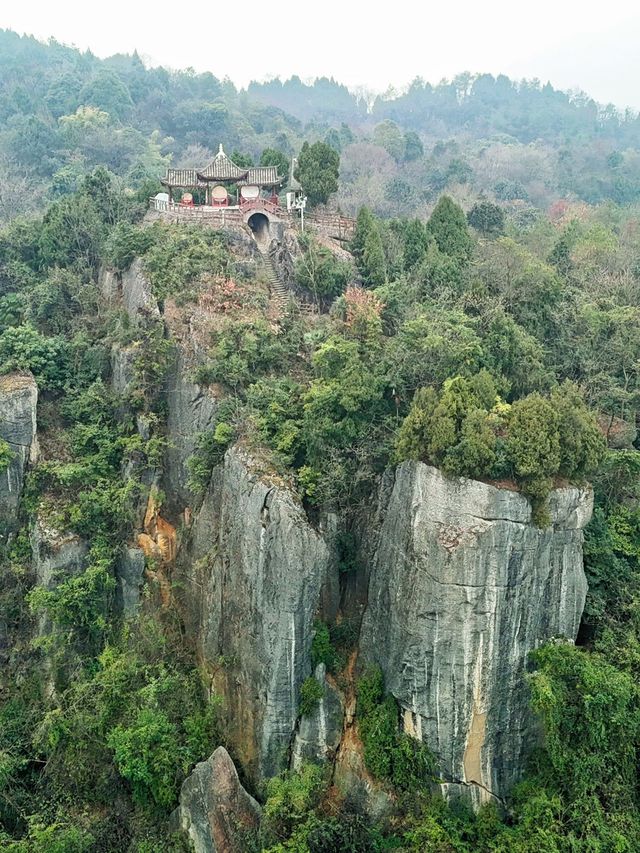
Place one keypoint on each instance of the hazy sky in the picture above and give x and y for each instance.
(587, 45)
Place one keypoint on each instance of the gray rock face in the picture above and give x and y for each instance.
(254, 571)
(56, 557)
(18, 404)
(463, 586)
(137, 296)
(109, 284)
(123, 369)
(130, 577)
(191, 411)
(215, 811)
(320, 732)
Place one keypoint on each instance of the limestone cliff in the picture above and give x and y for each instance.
(252, 574)
(463, 586)
(456, 582)
(191, 411)
(18, 404)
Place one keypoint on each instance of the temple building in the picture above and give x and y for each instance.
(224, 184)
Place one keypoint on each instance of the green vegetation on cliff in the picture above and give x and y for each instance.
(506, 352)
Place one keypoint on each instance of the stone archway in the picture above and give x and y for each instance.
(260, 226)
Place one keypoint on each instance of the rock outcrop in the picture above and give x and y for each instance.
(137, 296)
(129, 580)
(56, 556)
(191, 411)
(463, 586)
(253, 574)
(320, 732)
(215, 811)
(123, 374)
(18, 404)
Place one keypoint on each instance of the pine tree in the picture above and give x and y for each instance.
(317, 171)
(374, 265)
(364, 223)
(449, 228)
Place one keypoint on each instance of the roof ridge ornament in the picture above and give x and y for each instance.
(220, 151)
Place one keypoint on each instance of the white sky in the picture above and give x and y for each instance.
(587, 45)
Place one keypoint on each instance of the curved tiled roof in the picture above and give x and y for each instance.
(182, 178)
(221, 168)
(266, 176)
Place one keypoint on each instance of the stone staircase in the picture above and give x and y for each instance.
(280, 295)
(279, 292)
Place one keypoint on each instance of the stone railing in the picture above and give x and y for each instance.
(174, 212)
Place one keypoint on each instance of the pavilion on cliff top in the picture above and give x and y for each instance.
(213, 182)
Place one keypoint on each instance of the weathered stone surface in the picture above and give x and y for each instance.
(191, 411)
(130, 577)
(463, 586)
(618, 433)
(320, 732)
(137, 296)
(56, 557)
(18, 404)
(123, 369)
(284, 251)
(215, 811)
(109, 284)
(252, 578)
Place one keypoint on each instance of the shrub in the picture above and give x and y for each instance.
(179, 255)
(389, 754)
(322, 649)
(311, 692)
(147, 754)
(24, 348)
(125, 243)
(6, 455)
(290, 798)
(487, 218)
(319, 271)
(209, 452)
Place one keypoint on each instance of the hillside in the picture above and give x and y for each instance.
(338, 538)
(523, 144)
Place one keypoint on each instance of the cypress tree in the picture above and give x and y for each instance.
(449, 228)
(374, 265)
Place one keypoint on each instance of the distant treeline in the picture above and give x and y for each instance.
(64, 112)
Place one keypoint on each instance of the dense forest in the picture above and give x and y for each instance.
(483, 318)
(523, 144)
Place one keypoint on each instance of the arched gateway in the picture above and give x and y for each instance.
(260, 225)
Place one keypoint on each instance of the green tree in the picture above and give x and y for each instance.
(365, 222)
(317, 170)
(320, 271)
(373, 265)
(388, 135)
(448, 226)
(107, 92)
(416, 241)
(582, 445)
(147, 754)
(487, 218)
(591, 717)
(413, 147)
(533, 444)
(274, 157)
(24, 348)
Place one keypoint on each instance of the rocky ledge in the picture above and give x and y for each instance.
(463, 586)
